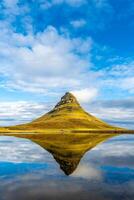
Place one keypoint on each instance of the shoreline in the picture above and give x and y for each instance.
(63, 131)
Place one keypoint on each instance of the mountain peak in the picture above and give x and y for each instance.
(67, 114)
(67, 99)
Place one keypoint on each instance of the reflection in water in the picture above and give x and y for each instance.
(68, 151)
(106, 172)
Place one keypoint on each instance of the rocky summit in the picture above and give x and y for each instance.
(67, 99)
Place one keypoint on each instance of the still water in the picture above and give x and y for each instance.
(28, 172)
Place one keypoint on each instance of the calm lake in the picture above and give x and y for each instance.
(28, 172)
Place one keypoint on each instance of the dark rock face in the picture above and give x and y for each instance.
(68, 98)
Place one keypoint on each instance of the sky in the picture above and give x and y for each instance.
(50, 47)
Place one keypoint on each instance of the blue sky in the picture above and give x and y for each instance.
(82, 46)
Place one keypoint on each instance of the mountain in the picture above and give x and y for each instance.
(67, 114)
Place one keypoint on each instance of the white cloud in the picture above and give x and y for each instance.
(85, 95)
(10, 3)
(72, 2)
(101, 3)
(120, 76)
(75, 3)
(128, 84)
(12, 113)
(116, 112)
(47, 60)
(78, 23)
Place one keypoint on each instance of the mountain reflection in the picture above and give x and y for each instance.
(67, 149)
(105, 172)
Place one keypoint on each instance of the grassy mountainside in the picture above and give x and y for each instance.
(67, 114)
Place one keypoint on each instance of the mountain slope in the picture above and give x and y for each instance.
(67, 114)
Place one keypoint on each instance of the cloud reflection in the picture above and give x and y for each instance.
(117, 151)
(18, 150)
(88, 172)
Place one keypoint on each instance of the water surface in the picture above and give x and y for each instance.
(106, 172)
